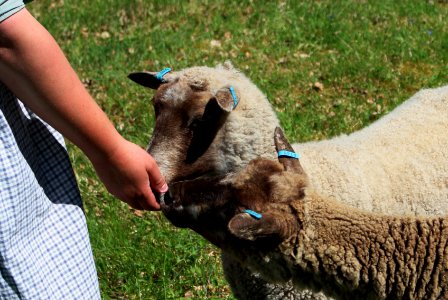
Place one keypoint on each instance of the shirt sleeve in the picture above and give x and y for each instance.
(10, 7)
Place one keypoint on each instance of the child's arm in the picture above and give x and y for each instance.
(34, 68)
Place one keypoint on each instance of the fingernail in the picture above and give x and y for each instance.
(164, 188)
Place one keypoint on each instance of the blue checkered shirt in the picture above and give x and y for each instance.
(45, 251)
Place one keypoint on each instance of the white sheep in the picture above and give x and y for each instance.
(399, 164)
(297, 234)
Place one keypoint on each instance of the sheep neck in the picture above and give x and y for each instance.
(361, 254)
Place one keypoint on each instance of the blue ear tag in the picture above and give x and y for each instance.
(253, 214)
(285, 153)
(162, 73)
(235, 99)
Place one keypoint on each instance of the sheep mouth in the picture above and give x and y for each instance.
(167, 200)
(186, 200)
(174, 210)
(187, 185)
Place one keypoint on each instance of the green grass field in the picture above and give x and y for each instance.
(328, 67)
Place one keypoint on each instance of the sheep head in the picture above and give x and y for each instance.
(189, 113)
(199, 129)
(280, 186)
(215, 207)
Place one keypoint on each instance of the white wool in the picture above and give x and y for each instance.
(398, 165)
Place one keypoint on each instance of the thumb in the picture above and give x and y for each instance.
(156, 180)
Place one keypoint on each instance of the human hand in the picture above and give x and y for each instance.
(129, 173)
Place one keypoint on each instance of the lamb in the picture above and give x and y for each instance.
(399, 164)
(300, 235)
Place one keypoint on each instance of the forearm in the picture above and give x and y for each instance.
(37, 72)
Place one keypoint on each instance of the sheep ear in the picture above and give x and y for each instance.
(150, 80)
(215, 114)
(249, 228)
(227, 98)
(281, 144)
(211, 121)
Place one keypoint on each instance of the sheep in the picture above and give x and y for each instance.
(317, 242)
(399, 164)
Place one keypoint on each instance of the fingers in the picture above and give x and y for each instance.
(144, 181)
(148, 201)
(286, 155)
(156, 187)
(157, 182)
(143, 199)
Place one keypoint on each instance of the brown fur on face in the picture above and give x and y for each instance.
(259, 186)
(211, 205)
(178, 110)
(188, 118)
(214, 207)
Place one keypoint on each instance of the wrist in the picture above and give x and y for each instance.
(103, 149)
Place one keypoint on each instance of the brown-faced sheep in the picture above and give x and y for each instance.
(399, 164)
(319, 243)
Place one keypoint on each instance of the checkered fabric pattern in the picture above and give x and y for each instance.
(45, 250)
(10, 7)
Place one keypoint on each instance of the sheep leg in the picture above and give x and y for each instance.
(247, 285)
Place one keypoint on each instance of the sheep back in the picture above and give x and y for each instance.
(398, 164)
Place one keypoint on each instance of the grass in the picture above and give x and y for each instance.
(367, 56)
